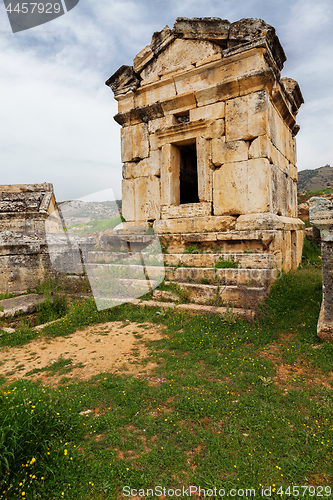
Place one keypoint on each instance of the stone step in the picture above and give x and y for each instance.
(245, 260)
(123, 271)
(249, 314)
(253, 277)
(231, 276)
(236, 296)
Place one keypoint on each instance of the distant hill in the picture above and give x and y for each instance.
(313, 180)
(80, 212)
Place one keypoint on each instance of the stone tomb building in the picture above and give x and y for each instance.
(24, 256)
(208, 143)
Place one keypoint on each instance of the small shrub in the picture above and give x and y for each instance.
(192, 249)
(229, 263)
(53, 308)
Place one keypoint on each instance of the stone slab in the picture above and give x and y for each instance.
(23, 304)
(195, 224)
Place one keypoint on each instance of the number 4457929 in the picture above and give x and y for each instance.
(318, 491)
(26, 8)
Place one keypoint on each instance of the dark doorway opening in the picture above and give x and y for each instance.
(188, 174)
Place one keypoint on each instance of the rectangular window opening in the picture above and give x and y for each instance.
(188, 174)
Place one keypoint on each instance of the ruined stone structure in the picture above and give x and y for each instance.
(208, 141)
(23, 249)
(321, 217)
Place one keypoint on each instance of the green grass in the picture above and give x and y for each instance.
(303, 198)
(216, 412)
(6, 295)
(311, 253)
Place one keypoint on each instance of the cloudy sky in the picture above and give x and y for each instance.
(57, 115)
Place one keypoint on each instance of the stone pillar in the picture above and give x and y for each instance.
(321, 216)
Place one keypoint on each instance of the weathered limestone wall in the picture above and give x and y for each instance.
(321, 217)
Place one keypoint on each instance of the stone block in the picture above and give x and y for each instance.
(267, 221)
(217, 93)
(303, 211)
(242, 187)
(280, 134)
(195, 224)
(125, 102)
(227, 152)
(134, 142)
(147, 167)
(159, 123)
(261, 148)
(170, 172)
(229, 68)
(294, 151)
(204, 169)
(128, 200)
(155, 92)
(246, 117)
(142, 58)
(258, 80)
(186, 210)
(209, 112)
(179, 103)
(127, 170)
(179, 56)
(292, 197)
(279, 191)
(147, 198)
(214, 57)
(293, 172)
(186, 133)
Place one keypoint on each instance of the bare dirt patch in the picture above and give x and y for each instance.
(112, 347)
(287, 374)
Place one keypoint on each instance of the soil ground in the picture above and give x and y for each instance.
(109, 347)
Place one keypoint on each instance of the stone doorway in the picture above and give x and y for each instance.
(188, 174)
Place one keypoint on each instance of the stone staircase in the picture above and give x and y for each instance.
(198, 276)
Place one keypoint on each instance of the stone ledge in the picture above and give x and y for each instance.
(197, 308)
(267, 220)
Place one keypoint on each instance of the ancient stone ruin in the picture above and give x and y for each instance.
(24, 258)
(321, 217)
(208, 150)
